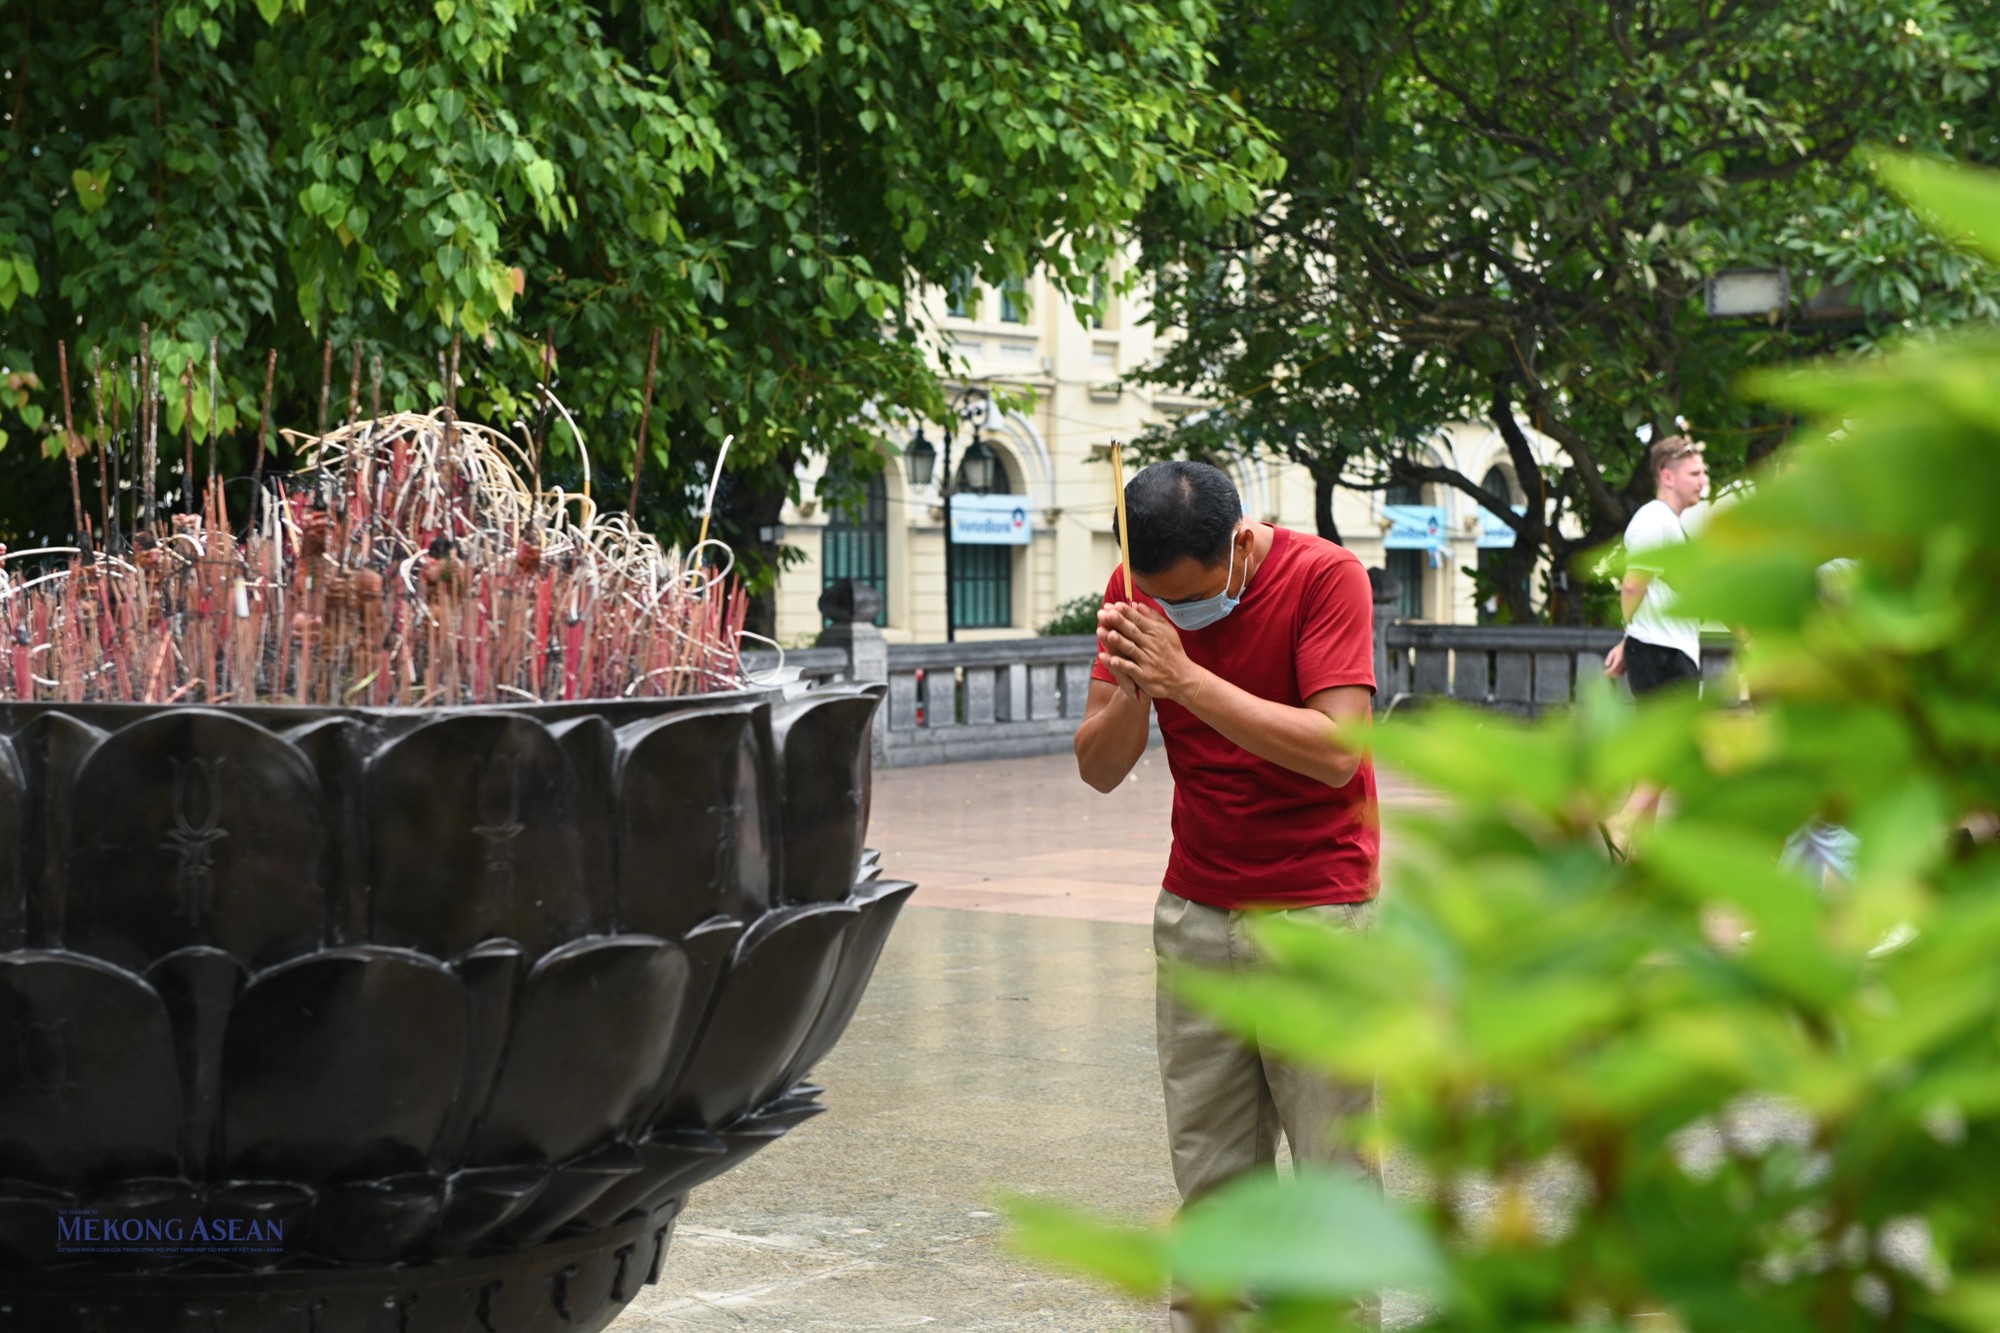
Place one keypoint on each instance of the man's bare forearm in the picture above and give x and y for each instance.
(1304, 740)
(1112, 736)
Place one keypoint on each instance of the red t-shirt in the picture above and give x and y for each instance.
(1248, 832)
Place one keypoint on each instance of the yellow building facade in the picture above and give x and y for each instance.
(1047, 453)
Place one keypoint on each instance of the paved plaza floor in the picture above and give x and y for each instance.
(1006, 1044)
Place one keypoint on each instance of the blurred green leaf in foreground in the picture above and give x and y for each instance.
(1696, 1090)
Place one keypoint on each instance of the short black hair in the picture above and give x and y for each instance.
(1179, 510)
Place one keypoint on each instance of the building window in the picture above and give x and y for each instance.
(1492, 559)
(1100, 297)
(1014, 301)
(1492, 568)
(982, 586)
(856, 546)
(961, 298)
(1407, 568)
(982, 577)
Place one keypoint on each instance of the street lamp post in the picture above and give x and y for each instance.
(971, 406)
(950, 582)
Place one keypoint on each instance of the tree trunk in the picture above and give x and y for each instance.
(1517, 591)
(1323, 488)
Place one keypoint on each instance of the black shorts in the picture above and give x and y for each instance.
(1649, 667)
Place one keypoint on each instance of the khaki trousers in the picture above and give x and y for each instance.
(1228, 1100)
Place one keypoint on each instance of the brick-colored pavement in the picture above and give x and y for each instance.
(1026, 836)
(1005, 1047)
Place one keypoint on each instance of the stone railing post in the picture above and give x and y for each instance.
(1388, 590)
(852, 607)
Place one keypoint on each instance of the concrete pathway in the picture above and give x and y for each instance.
(1006, 1044)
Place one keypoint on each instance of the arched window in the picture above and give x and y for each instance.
(982, 577)
(1406, 567)
(856, 546)
(1014, 301)
(1493, 559)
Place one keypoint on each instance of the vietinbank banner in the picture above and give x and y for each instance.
(1494, 534)
(1414, 528)
(991, 520)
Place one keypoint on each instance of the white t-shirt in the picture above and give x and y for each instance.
(1654, 526)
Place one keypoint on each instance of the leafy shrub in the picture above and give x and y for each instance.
(1076, 616)
(1692, 1084)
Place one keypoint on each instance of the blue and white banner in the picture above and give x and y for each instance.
(1414, 528)
(1493, 530)
(991, 520)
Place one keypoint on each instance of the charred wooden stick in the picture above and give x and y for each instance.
(325, 385)
(69, 443)
(103, 441)
(645, 417)
(142, 406)
(263, 429)
(151, 463)
(187, 435)
(214, 407)
(539, 436)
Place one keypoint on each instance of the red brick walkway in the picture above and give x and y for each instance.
(1026, 836)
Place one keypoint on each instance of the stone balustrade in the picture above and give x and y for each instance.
(954, 701)
(1007, 698)
(1519, 669)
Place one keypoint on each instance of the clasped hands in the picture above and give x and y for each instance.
(1142, 651)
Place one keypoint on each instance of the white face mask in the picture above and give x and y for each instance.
(1205, 611)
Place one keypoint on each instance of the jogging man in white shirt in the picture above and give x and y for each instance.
(1660, 649)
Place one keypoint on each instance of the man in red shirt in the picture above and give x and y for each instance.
(1256, 644)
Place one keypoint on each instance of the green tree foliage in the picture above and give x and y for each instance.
(1505, 210)
(1697, 1083)
(770, 185)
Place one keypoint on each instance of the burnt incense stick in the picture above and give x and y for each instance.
(151, 462)
(354, 389)
(142, 407)
(214, 406)
(325, 385)
(263, 430)
(539, 435)
(187, 435)
(124, 461)
(645, 416)
(70, 449)
(103, 442)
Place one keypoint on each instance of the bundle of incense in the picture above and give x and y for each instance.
(412, 565)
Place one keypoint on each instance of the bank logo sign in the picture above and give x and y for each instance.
(991, 520)
(101, 1231)
(1414, 528)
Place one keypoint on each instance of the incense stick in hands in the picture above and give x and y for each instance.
(1124, 528)
(1112, 664)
